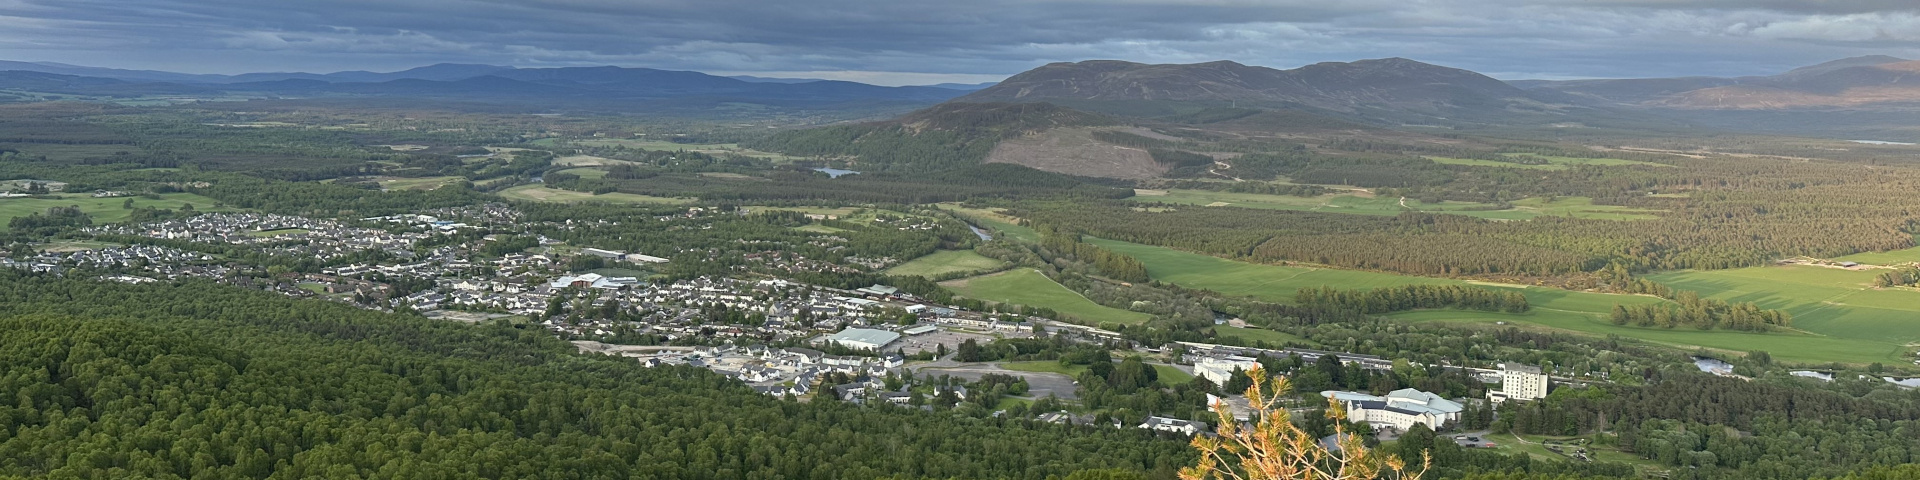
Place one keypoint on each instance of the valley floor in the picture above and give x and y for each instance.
(1837, 317)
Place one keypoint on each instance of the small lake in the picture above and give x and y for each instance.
(1879, 142)
(834, 172)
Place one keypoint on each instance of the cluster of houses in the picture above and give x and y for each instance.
(160, 261)
(790, 371)
(319, 239)
(168, 262)
(781, 310)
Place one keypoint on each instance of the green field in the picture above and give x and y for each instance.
(1534, 446)
(1896, 257)
(1028, 287)
(1838, 305)
(540, 193)
(1361, 205)
(944, 262)
(418, 183)
(1870, 328)
(103, 210)
(63, 246)
(586, 172)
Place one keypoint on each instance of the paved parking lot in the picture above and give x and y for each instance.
(928, 342)
(1039, 384)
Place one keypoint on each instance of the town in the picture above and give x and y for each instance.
(874, 344)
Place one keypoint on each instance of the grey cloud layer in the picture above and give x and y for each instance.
(1539, 38)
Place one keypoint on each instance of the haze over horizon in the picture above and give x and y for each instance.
(924, 42)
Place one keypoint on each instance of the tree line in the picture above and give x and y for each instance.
(198, 380)
(1412, 297)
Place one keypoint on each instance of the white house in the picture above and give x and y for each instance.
(1183, 427)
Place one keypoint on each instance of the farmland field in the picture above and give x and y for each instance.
(1832, 332)
(1895, 257)
(1345, 203)
(945, 261)
(1028, 287)
(1835, 303)
(588, 161)
(418, 183)
(103, 210)
(540, 193)
(1258, 334)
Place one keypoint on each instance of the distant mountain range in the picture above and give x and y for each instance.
(1858, 82)
(569, 86)
(1389, 91)
(968, 87)
(1386, 91)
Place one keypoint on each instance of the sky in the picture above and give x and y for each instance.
(900, 42)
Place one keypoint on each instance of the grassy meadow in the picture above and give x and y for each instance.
(1028, 287)
(418, 183)
(1864, 326)
(540, 193)
(944, 262)
(1837, 304)
(1259, 334)
(103, 210)
(1896, 257)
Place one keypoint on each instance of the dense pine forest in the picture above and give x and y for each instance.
(203, 381)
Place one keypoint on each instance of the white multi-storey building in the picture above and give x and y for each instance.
(1219, 369)
(1519, 382)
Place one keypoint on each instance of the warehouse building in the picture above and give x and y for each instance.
(861, 338)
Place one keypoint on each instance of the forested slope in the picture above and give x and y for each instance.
(206, 381)
(942, 137)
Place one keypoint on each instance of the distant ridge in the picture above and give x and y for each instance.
(1387, 90)
(1866, 81)
(575, 86)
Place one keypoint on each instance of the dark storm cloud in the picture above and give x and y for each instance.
(959, 39)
